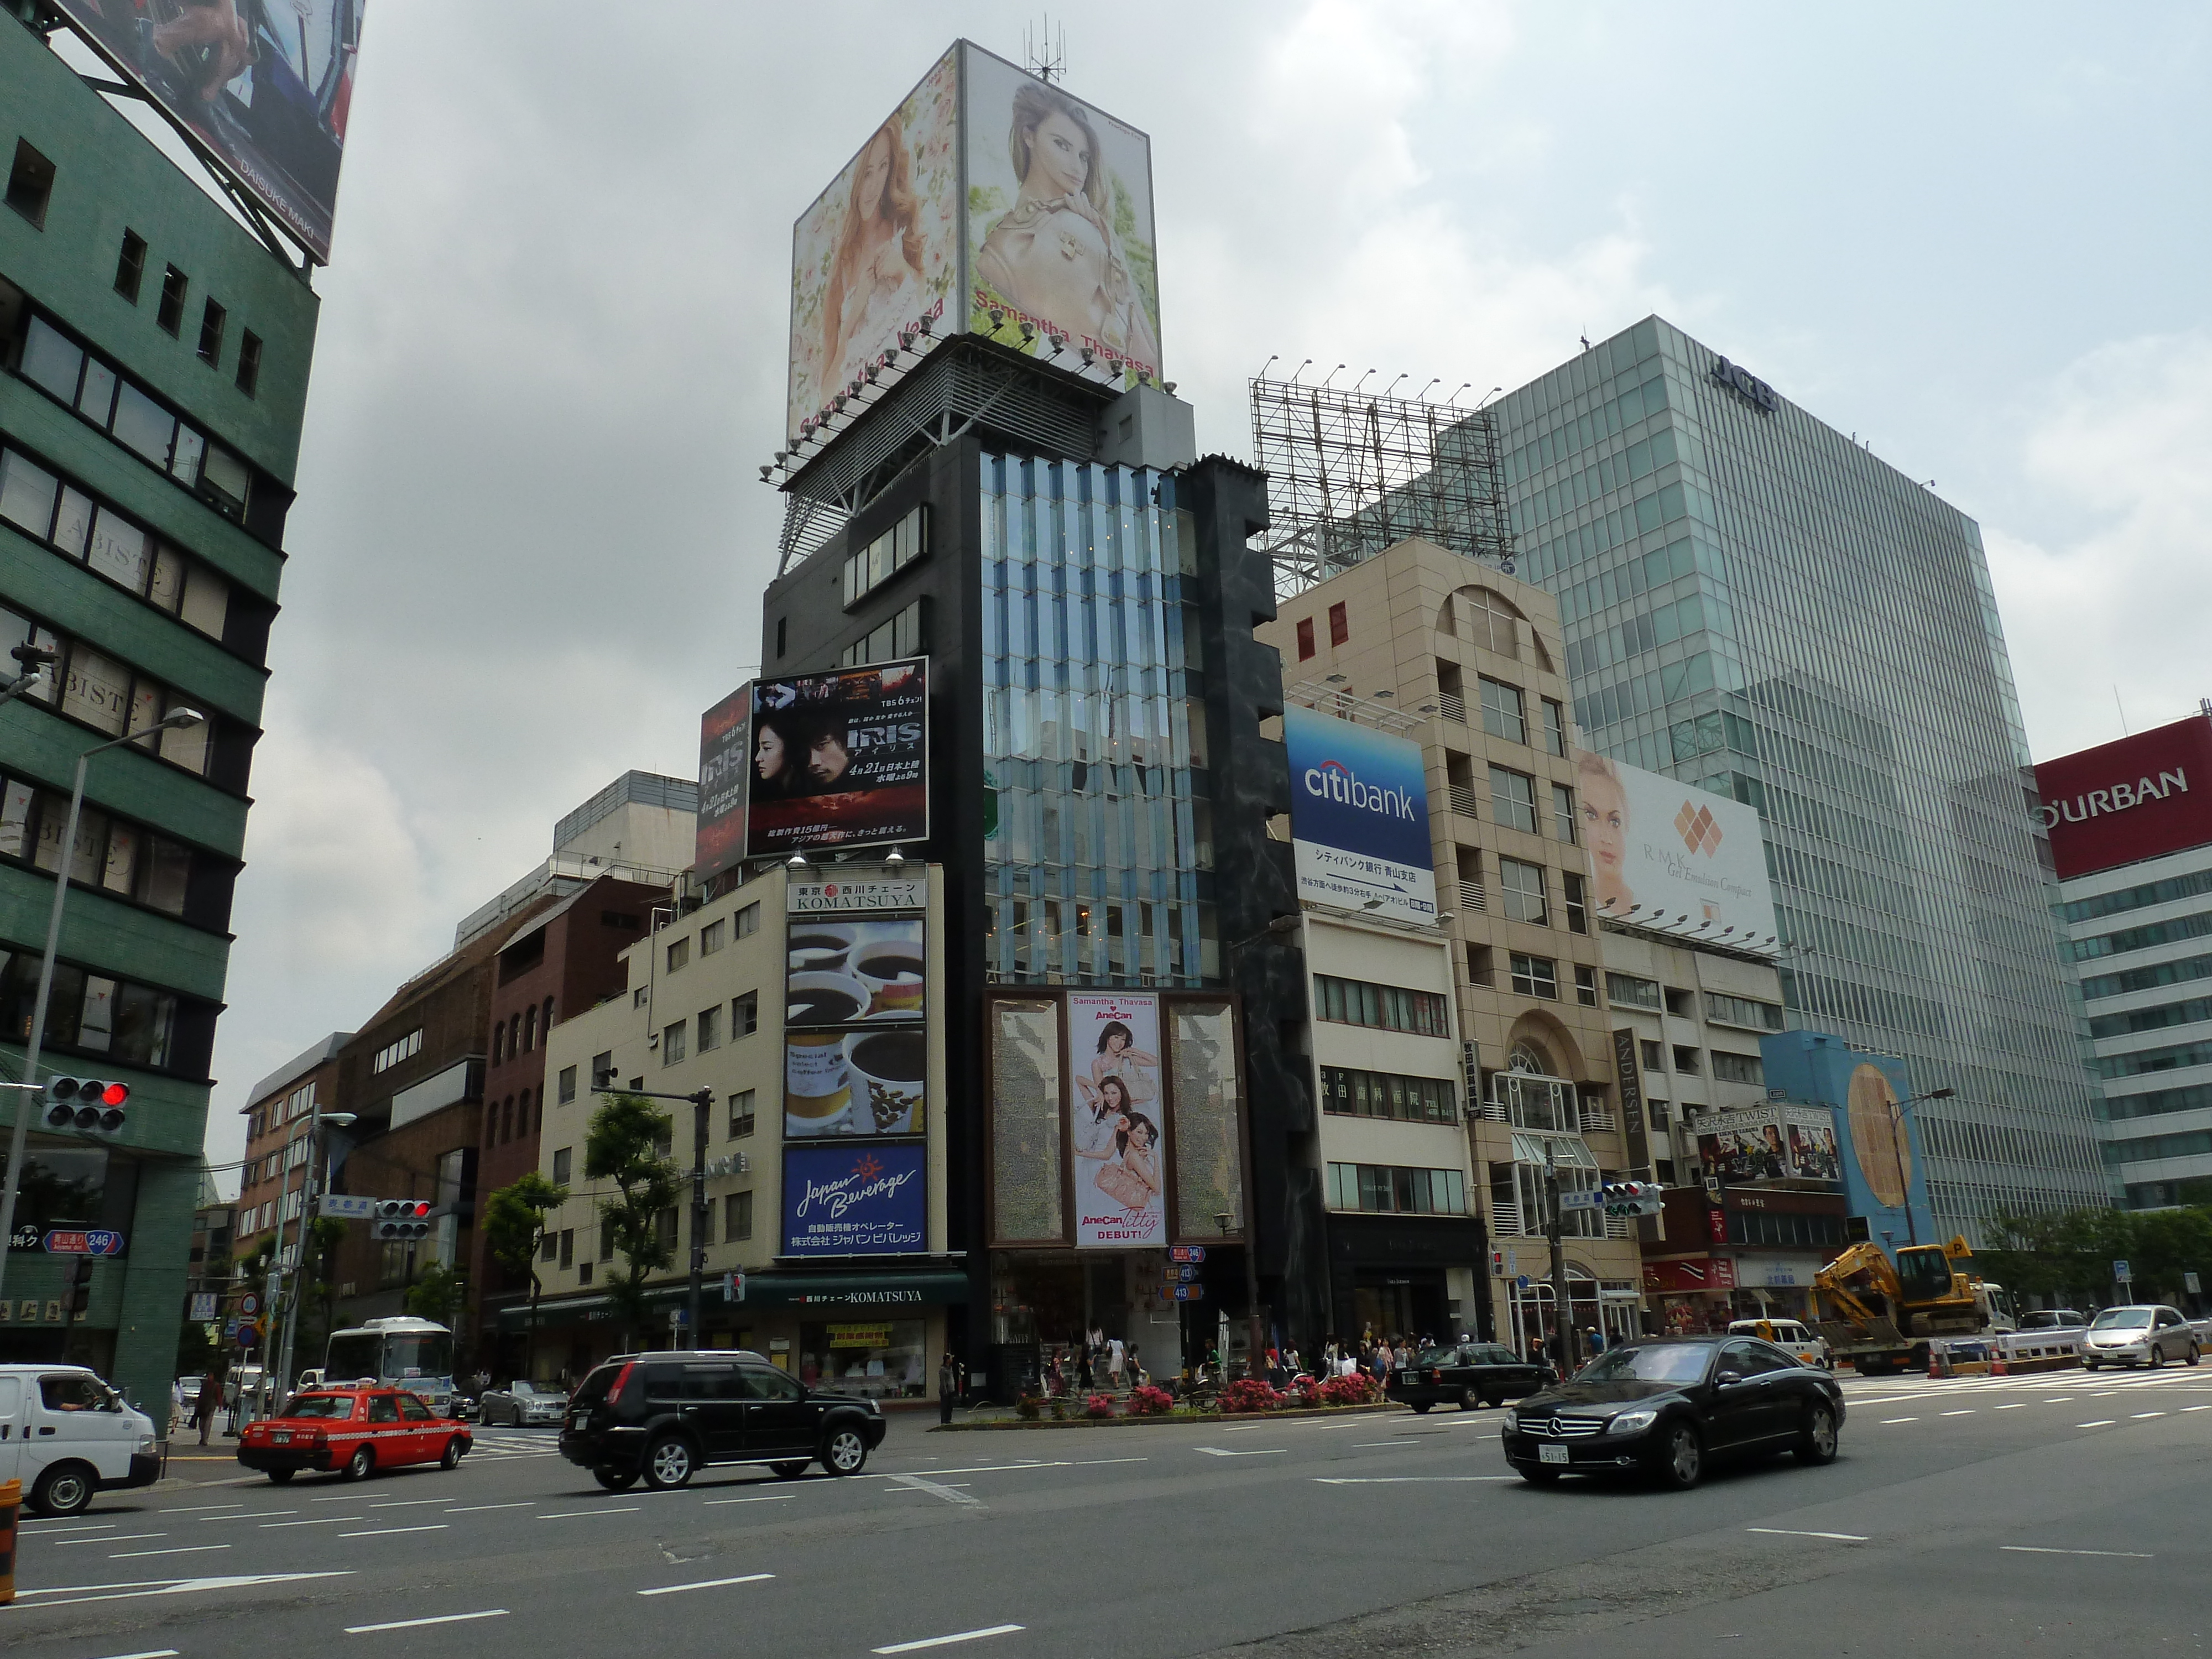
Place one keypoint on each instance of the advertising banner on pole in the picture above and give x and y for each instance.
(263, 90)
(1667, 854)
(1359, 817)
(1117, 1139)
(839, 759)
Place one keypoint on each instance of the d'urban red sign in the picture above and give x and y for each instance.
(2123, 802)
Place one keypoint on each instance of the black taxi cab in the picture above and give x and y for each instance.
(355, 1430)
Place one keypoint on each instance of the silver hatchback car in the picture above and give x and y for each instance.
(2144, 1333)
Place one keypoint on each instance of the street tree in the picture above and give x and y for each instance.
(437, 1294)
(515, 1230)
(624, 1145)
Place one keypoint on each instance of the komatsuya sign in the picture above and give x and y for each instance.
(855, 1200)
(1360, 818)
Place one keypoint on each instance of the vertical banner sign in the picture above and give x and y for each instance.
(1628, 1071)
(1117, 1139)
(725, 742)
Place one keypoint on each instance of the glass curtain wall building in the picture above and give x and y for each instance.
(1099, 858)
(1754, 603)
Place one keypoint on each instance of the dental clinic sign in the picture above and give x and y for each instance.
(2122, 802)
(1360, 818)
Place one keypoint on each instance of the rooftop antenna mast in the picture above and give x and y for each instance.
(1046, 57)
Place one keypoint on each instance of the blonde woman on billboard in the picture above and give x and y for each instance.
(1605, 830)
(1053, 255)
(875, 282)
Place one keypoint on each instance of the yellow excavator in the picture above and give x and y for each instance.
(1880, 1315)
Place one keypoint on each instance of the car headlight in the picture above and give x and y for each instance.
(1631, 1422)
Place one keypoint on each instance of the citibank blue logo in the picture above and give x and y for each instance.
(1333, 781)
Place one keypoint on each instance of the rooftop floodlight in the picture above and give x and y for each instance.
(894, 857)
(796, 861)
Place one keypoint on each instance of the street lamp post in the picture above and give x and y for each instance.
(1255, 1337)
(1898, 1144)
(176, 722)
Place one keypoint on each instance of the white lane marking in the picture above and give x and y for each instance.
(2030, 1549)
(319, 1521)
(1797, 1532)
(934, 1489)
(771, 1498)
(1099, 1462)
(999, 1468)
(151, 1653)
(188, 1508)
(572, 1515)
(2198, 1408)
(82, 1526)
(1223, 1451)
(1361, 1445)
(2139, 1415)
(342, 1498)
(2101, 1423)
(472, 1508)
(389, 1532)
(406, 1503)
(1886, 1420)
(1244, 1428)
(112, 1538)
(412, 1624)
(2017, 1405)
(188, 1549)
(250, 1514)
(707, 1584)
(946, 1641)
(1967, 1411)
(1407, 1479)
(78, 1594)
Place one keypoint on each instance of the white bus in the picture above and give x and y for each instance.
(416, 1354)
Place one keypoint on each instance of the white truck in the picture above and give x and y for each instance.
(66, 1436)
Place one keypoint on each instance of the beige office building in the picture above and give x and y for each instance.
(1471, 660)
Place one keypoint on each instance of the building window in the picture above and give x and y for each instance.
(548, 1247)
(1555, 729)
(1390, 1189)
(779, 638)
(679, 953)
(1563, 813)
(529, 1029)
(745, 1015)
(1586, 986)
(710, 938)
(1737, 1068)
(392, 1052)
(748, 920)
(606, 1240)
(1686, 1060)
(602, 1070)
(1724, 1010)
(741, 1114)
(1521, 890)
(737, 1216)
(1502, 711)
(1655, 1059)
(1478, 970)
(30, 184)
(170, 314)
(710, 1028)
(568, 1083)
(1305, 638)
(583, 1272)
(1513, 799)
(671, 1043)
(1384, 1008)
(637, 998)
(1348, 1093)
(567, 1247)
(1681, 1004)
(131, 266)
(885, 556)
(213, 319)
(903, 635)
(1536, 976)
(249, 362)
(562, 1162)
(1577, 907)
(1339, 625)
(1625, 990)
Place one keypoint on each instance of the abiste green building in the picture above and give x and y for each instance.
(154, 360)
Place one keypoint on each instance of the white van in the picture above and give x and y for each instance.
(66, 1435)
(1809, 1349)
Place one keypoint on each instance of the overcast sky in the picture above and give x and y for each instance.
(530, 537)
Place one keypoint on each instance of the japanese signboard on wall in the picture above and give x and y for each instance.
(842, 1201)
(1360, 818)
(1774, 1142)
(838, 759)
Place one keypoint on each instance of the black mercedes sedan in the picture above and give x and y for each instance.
(1664, 1405)
(1467, 1375)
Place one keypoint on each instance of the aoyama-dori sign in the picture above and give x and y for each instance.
(2122, 802)
(1360, 818)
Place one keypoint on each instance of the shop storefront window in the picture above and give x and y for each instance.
(881, 1359)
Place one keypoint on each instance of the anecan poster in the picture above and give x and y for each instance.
(1117, 1139)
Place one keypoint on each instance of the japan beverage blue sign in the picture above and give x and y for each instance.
(855, 1200)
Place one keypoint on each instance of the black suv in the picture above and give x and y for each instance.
(664, 1416)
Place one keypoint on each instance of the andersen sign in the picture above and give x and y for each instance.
(2122, 802)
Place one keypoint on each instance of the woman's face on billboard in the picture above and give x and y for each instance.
(875, 175)
(1604, 829)
(769, 756)
(1059, 158)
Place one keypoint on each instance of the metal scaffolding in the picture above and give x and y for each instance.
(1350, 474)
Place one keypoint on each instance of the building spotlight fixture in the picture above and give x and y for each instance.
(1169, 387)
(796, 861)
(1334, 679)
(894, 857)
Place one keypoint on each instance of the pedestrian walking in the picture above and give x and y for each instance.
(210, 1402)
(948, 1385)
(1114, 1355)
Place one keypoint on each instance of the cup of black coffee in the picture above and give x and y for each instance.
(893, 975)
(888, 1069)
(816, 948)
(820, 998)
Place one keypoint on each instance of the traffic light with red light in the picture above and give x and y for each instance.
(84, 1102)
(400, 1218)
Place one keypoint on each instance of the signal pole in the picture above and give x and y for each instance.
(1562, 1308)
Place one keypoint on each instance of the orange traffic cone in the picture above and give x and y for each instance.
(1997, 1366)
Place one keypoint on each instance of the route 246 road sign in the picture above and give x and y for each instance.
(1190, 1253)
(97, 1241)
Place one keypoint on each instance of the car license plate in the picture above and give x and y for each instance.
(282, 1436)
(1551, 1453)
(1405, 1377)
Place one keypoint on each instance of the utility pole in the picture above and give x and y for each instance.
(1562, 1308)
(699, 1104)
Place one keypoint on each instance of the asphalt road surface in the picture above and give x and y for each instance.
(2042, 1515)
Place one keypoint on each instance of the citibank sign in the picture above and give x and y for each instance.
(2113, 798)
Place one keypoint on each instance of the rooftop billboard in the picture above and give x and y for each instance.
(1039, 225)
(1663, 853)
(263, 90)
(2122, 802)
(839, 759)
(1359, 817)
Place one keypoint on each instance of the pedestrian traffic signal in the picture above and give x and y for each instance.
(75, 1103)
(76, 1290)
(400, 1218)
(1633, 1197)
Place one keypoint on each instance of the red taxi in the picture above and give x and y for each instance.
(355, 1430)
